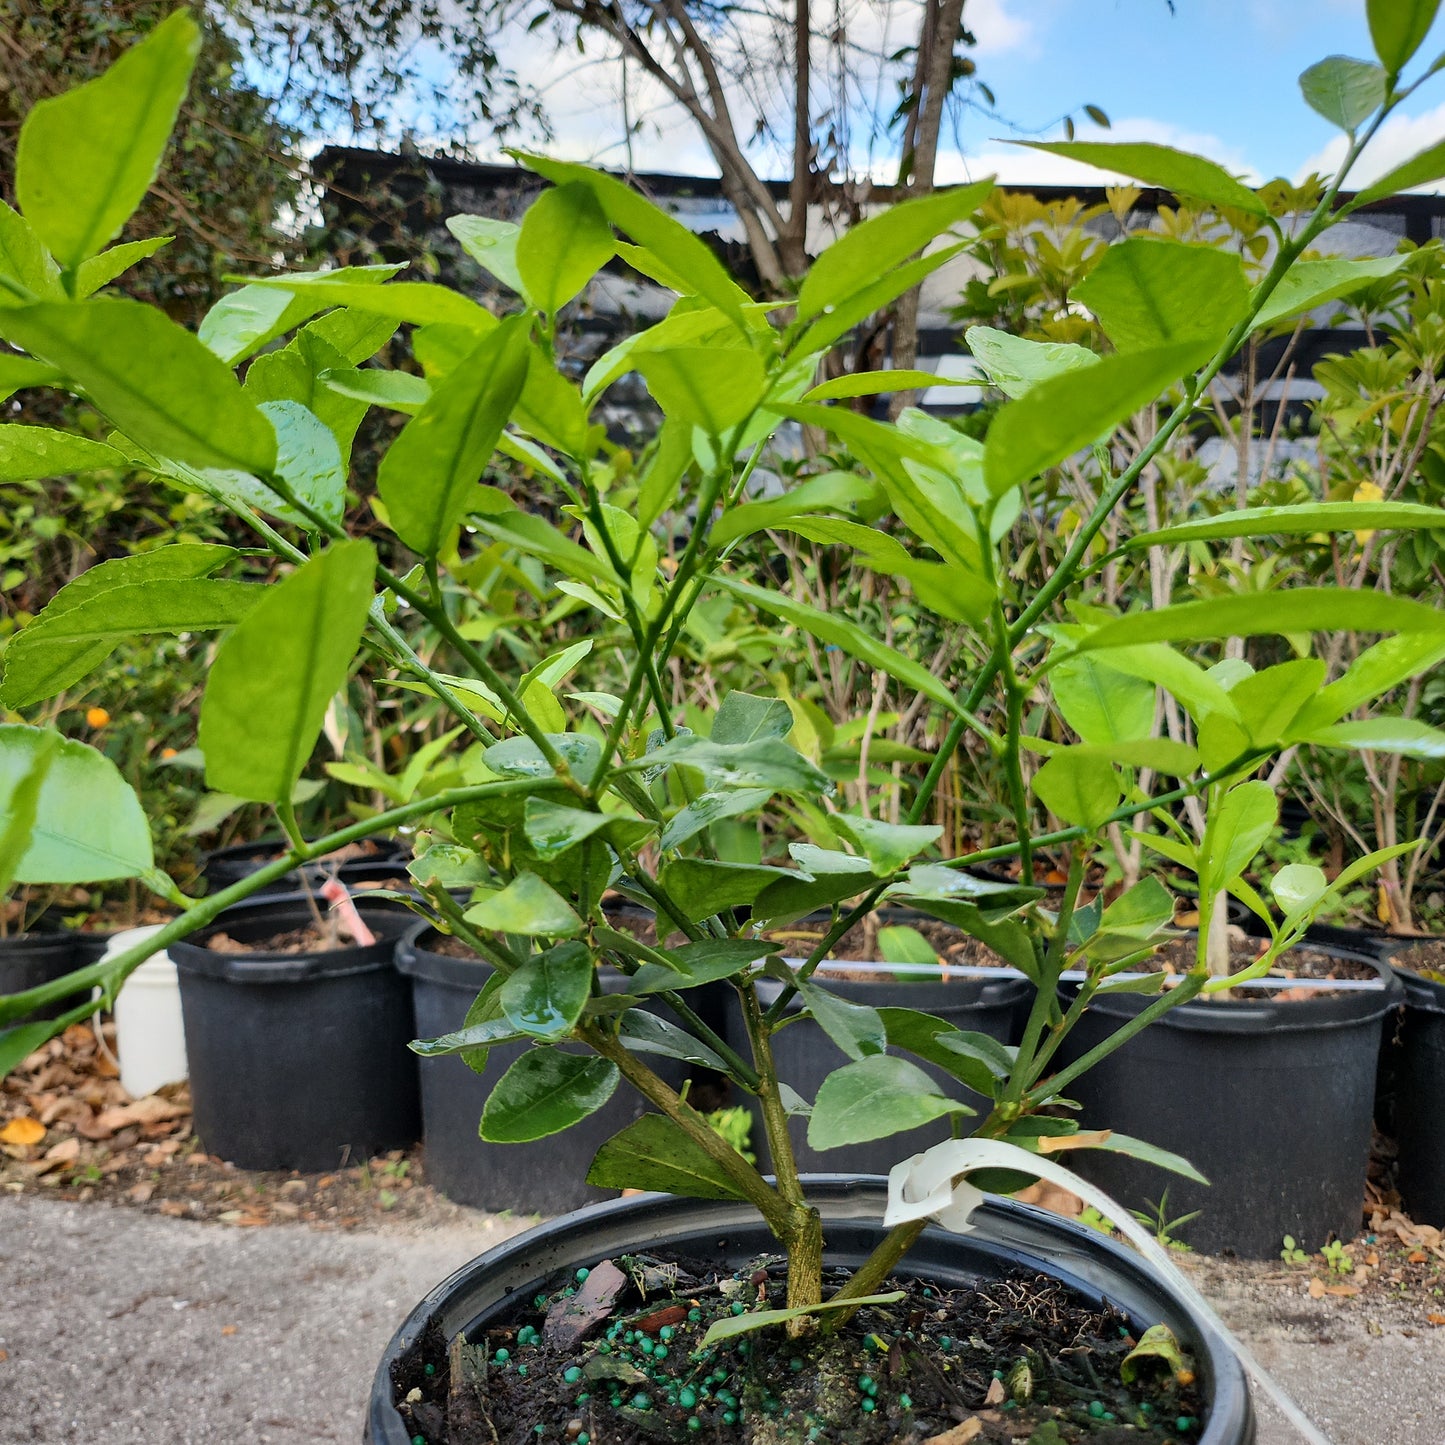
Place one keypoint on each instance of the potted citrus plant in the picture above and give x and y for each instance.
(560, 811)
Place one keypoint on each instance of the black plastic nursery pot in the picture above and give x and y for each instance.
(980, 1000)
(1006, 1237)
(546, 1176)
(28, 960)
(1415, 1051)
(298, 1061)
(230, 865)
(1270, 1098)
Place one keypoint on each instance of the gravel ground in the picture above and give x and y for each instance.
(118, 1326)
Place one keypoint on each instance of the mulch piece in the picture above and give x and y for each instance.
(68, 1129)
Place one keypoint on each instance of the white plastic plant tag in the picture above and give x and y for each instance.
(934, 1185)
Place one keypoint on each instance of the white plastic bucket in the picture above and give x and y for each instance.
(150, 1038)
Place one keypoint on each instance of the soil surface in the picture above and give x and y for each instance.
(617, 1354)
(1178, 956)
(1426, 959)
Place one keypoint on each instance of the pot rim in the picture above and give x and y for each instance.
(1005, 1231)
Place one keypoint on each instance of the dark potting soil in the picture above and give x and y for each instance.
(1178, 956)
(1426, 958)
(860, 943)
(612, 1357)
(292, 940)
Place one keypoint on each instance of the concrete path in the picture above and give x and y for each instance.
(123, 1328)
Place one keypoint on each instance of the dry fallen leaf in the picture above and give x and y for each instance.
(1317, 1288)
(22, 1131)
(150, 1110)
(959, 1435)
(228, 1329)
(1345, 1291)
(1416, 1256)
(65, 1152)
(1436, 1319)
(996, 1393)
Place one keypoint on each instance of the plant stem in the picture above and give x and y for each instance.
(110, 973)
(749, 1184)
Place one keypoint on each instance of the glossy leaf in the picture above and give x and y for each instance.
(20, 801)
(1235, 831)
(492, 244)
(154, 381)
(886, 846)
(1308, 284)
(1398, 28)
(1407, 736)
(544, 1092)
(708, 809)
(1421, 168)
(767, 762)
(874, 1098)
(101, 270)
(38, 453)
(1298, 886)
(706, 961)
(855, 1027)
(847, 636)
(308, 462)
(87, 157)
(419, 302)
(527, 905)
(833, 325)
(1190, 176)
(1061, 416)
(879, 383)
(1015, 364)
(564, 242)
(243, 322)
(921, 1034)
(1297, 521)
(706, 387)
(25, 261)
(429, 475)
(63, 646)
(701, 887)
(1100, 703)
(885, 241)
(654, 1153)
(1303, 609)
(1147, 291)
(834, 491)
(1082, 791)
(684, 254)
(1373, 673)
(1346, 92)
(275, 675)
(520, 757)
(745, 718)
(19, 372)
(546, 996)
(644, 1032)
(88, 825)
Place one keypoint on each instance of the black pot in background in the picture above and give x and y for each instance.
(547, 1176)
(985, 1001)
(1006, 1237)
(1271, 1100)
(28, 960)
(1413, 1093)
(298, 1061)
(230, 865)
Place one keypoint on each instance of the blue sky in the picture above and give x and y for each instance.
(1218, 75)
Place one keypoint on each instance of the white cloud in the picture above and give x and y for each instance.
(1398, 139)
(1019, 165)
(996, 29)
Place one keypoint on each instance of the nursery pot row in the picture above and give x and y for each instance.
(299, 1061)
